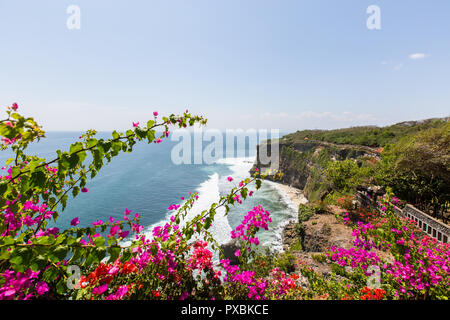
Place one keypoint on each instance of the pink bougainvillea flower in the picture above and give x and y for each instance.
(6, 141)
(158, 140)
(173, 207)
(41, 288)
(113, 231)
(15, 106)
(155, 113)
(84, 190)
(100, 289)
(97, 223)
(230, 179)
(127, 212)
(237, 253)
(124, 234)
(135, 124)
(75, 221)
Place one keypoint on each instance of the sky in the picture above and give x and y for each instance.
(282, 64)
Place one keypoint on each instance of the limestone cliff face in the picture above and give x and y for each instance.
(302, 163)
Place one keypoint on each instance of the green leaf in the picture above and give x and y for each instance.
(3, 186)
(75, 191)
(208, 222)
(140, 132)
(116, 147)
(16, 259)
(61, 286)
(33, 164)
(50, 274)
(15, 171)
(126, 255)
(73, 160)
(7, 240)
(38, 179)
(45, 240)
(61, 251)
(38, 263)
(91, 142)
(99, 242)
(150, 135)
(114, 253)
(82, 156)
(75, 147)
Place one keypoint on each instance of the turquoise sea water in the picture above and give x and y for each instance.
(147, 181)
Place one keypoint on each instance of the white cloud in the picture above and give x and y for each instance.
(417, 56)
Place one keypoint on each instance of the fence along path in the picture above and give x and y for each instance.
(426, 223)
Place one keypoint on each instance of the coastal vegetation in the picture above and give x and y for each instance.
(412, 158)
(370, 136)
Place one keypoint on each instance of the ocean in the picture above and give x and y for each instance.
(147, 181)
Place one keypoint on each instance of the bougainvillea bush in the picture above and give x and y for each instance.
(393, 255)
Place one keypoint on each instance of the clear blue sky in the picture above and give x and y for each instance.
(242, 63)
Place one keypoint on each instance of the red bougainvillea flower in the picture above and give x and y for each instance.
(156, 293)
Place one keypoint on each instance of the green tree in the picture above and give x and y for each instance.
(343, 175)
(418, 169)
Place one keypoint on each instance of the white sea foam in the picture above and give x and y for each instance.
(208, 193)
(290, 216)
(239, 166)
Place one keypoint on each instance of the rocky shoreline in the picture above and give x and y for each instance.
(319, 232)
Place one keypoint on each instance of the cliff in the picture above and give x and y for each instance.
(302, 162)
(303, 155)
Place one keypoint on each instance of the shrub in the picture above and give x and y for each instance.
(305, 212)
